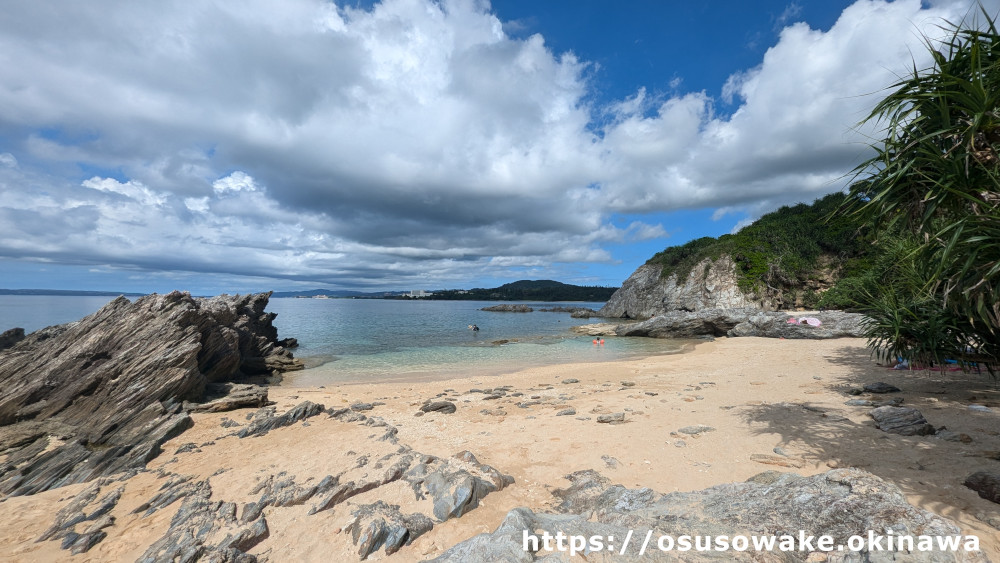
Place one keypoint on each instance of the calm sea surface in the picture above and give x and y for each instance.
(363, 339)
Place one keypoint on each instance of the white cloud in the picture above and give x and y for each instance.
(300, 140)
(643, 231)
(132, 190)
(236, 182)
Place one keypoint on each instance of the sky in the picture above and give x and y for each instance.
(225, 146)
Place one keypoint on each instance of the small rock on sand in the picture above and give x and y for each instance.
(444, 407)
(985, 483)
(904, 421)
(614, 418)
(695, 430)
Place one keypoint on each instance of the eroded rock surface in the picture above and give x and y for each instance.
(212, 526)
(508, 308)
(906, 421)
(840, 503)
(710, 285)
(743, 322)
(100, 395)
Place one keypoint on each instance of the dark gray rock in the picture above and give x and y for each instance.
(566, 412)
(613, 418)
(575, 312)
(840, 503)
(456, 486)
(112, 385)
(380, 524)
(508, 308)
(223, 397)
(894, 402)
(80, 524)
(743, 322)
(398, 465)
(985, 483)
(263, 425)
(278, 490)
(686, 324)
(444, 407)
(881, 387)
(905, 421)
(11, 337)
(197, 521)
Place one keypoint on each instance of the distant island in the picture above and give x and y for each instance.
(525, 290)
(68, 292)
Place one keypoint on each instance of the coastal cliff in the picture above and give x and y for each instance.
(803, 256)
(711, 284)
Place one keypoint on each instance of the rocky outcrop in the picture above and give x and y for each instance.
(744, 322)
(710, 285)
(508, 308)
(684, 324)
(100, 395)
(840, 504)
(11, 337)
(209, 526)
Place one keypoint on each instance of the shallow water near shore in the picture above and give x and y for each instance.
(355, 340)
(361, 340)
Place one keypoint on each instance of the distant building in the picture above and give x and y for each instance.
(419, 293)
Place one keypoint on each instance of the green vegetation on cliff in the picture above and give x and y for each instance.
(805, 251)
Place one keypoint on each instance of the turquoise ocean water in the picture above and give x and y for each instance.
(365, 339)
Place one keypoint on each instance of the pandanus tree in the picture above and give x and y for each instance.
(934, 180)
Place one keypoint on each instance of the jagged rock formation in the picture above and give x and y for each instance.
(99, 396)
(743, 322)
(11, 337)
(840, 504)
(214, 526)
(710, 285)
(508, 308)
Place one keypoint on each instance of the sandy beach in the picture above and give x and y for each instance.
(772, 404)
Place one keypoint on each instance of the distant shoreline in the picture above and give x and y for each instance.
(69, 292)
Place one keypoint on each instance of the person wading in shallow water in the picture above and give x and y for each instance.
(474, 328)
